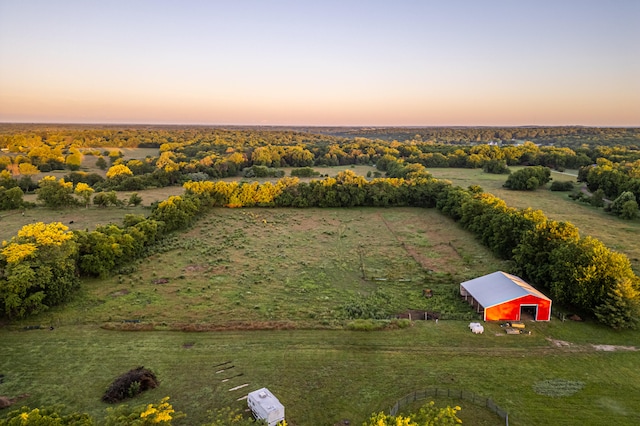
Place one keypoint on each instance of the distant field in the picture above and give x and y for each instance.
(617, 234)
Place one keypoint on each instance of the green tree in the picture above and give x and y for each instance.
(496, 166)
(101, 163)
(104, 199)
(11, 198)
(625, 206)
(629, 210)
(55, 193)
(621, 307)
(529, 178)
(597, 198)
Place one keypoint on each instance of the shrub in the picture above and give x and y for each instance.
(366, 325)
(307, 172)
(624, 206)
(130, 384)
(45, 416)
(561, 186)
(497, 167)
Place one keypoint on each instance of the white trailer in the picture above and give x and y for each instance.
(265, 406)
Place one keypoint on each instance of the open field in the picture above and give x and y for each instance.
(294, 265)
(617, 234)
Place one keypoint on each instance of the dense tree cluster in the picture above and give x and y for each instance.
(612, 178)
(529, 178)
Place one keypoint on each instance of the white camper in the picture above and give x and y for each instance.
(265, 406)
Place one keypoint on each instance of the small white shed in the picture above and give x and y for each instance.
(265, 406)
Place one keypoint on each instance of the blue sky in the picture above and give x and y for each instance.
(490, 62)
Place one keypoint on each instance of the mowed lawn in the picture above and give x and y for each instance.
(325, 376)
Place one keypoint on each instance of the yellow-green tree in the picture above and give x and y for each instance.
(84, 191)
(38, 269)
(118, 170)
(74, 161)
(428, 415)
(27, 169)
(55, 193)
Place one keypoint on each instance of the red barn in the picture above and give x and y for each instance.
(505, 297)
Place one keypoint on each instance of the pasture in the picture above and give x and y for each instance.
(290, 267)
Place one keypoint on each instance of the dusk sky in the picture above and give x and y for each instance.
(378, 63)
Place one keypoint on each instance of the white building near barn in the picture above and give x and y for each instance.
(265, 406)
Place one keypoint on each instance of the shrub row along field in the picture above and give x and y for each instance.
(306, 266)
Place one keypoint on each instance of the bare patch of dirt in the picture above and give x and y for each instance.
(195, 268)
(438, 264)
(605, 348)
(613, 348)
(119, 293)
(161, 281)
(6, 402)
(560, 343)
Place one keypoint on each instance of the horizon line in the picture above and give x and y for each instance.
(385, 126)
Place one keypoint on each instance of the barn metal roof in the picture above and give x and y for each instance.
(499, 287)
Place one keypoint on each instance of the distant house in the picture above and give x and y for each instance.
(504, 297)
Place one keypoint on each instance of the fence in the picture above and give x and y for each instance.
(450, 393)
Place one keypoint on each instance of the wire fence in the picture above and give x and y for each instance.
(450, 393)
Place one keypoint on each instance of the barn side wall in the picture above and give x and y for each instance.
(510, 311)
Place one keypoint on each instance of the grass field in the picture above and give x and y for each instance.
(617, 234)
(292, 265)
(277, 280)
